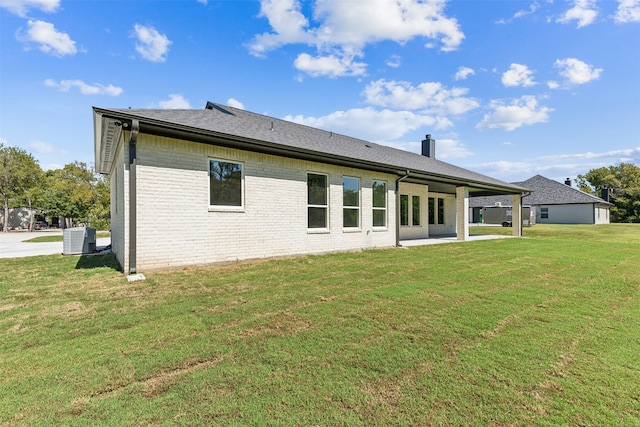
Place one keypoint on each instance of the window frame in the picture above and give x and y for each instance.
(441, 211)
(375, 208)
(432, 210)
(404, 216)
(416, 220)
(228, 208)
(317, 206)
(544, 213)
(356, 208)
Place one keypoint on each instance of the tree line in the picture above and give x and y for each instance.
(74, 193)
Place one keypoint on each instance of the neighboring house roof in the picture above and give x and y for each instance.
(545, 191)
(219, 124)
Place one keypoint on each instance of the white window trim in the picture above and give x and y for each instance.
(358, 208)
(408, 224)
(220, 208)
(419, 225)
(386, 204)
(321, 230)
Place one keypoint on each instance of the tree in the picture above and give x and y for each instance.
(19, 176)
(76, 193)
(623, 184)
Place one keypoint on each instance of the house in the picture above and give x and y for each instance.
(554, 203)
(503, 215)
(196, 187)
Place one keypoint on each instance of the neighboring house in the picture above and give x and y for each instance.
(19, 219)
(554, 203)
(195, 187)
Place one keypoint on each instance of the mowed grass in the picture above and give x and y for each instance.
(543, 330)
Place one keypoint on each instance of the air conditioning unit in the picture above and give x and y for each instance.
(78, 241)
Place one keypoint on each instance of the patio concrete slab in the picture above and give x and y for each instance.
(451, 239)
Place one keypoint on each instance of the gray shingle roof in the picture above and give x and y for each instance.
(235, 124)
(545, 192)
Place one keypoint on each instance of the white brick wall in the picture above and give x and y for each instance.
(176, 227)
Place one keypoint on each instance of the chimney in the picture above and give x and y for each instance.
(429, 147)
(568, 182)
(604, 194)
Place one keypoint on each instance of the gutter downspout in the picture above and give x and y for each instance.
(405, 176)
(133, 138)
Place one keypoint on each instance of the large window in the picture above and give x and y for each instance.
(432, 211)
(379, 203)
(415, 206)
(440, 211)
(544, 213)
(404, 209)
(350, 202)
(436, 211)
(317, 201)
(225, 183)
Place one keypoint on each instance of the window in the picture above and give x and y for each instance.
(440, 211)
(225, 183)
(415, 206)
(404, 209)
(432, 211)
(544, 213)
(350, 202)
(379, 203)
(317, 201)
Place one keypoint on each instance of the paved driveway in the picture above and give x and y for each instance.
(13, 245)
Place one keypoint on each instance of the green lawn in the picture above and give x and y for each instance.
(543, 330)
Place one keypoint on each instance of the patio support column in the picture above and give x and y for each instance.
(462, 213)
(516, 218)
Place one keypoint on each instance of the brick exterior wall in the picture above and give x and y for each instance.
(177, 227)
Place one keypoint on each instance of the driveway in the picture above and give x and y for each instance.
(13, 245)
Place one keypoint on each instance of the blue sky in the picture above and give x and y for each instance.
(507, 88)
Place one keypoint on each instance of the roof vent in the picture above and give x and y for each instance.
(568, 181)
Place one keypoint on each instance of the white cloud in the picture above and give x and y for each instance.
(521, 112)
(175, 102)
(626, 153)
(330, 66)
(232, 102)
(85, 89)
(51, 41)
(394, 61)
(553, 84)
(21, 7)
(152, 45)
(532, 8)
(518, 75)
(204, 2)
(432, 97)
(583, 11)
(345, 28)
(370, 124)
(463, 73)
(451, 149)
(41, 147)
(577, 72)
(628, 11)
